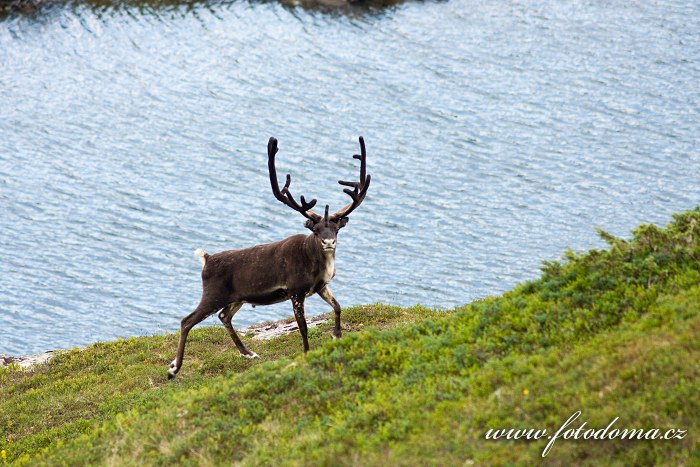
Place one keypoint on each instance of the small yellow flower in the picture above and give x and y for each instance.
(3, 456)
(526, 392)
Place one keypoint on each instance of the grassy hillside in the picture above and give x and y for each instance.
(609, 333)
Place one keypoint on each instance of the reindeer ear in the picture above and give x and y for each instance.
(342, 222)
(309, 224)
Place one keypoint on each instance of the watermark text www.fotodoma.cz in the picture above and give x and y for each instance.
(566, 431)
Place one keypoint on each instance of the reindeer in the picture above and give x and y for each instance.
(290, 269)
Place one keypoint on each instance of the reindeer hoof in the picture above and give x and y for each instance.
(172, 371)
(251, 355)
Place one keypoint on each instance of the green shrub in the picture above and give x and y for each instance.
(610, 333)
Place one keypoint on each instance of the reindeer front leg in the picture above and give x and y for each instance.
(327, 297)
(298, 304)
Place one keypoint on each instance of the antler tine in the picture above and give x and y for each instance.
(285, 196)
(303, 207)
(359, 188)
(363, 190)
(363, 158)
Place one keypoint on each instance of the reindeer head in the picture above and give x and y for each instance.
(325, 229)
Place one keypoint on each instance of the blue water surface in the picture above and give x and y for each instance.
(499, 133)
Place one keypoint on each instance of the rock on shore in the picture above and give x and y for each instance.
(27, 361)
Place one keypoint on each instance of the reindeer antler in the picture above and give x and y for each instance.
(359, 188)
(285, 195)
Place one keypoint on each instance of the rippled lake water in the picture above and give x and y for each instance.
(499, 133)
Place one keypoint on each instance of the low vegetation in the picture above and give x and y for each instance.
(610, 333)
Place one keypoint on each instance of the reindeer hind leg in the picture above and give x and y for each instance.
(226, 315)
(207, 307)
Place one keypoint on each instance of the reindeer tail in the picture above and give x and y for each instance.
(202, 255)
